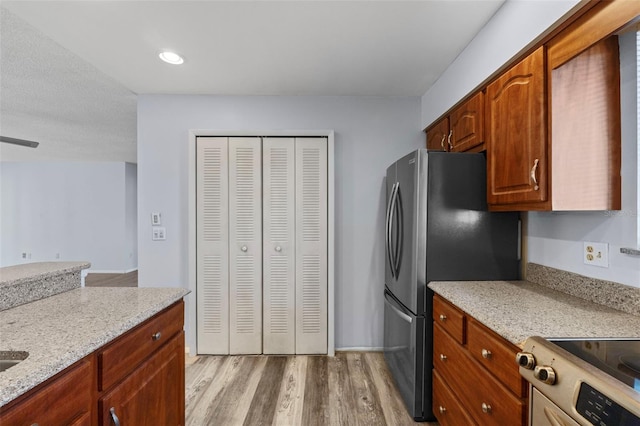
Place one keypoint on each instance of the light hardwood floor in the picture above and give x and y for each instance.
(352, 388)
(112, 280)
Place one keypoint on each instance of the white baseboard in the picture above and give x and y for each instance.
(360, 349)
(110, 271)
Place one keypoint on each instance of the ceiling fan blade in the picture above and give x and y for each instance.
(21, 142)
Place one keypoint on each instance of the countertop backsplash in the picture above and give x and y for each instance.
(614, 295)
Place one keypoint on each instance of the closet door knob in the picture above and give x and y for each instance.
(278, 249)
(244, 248)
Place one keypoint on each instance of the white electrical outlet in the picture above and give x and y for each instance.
(596, 254)
(159, 233)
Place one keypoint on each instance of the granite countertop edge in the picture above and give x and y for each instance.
(517, 310)
(14, 385)
(54, 269)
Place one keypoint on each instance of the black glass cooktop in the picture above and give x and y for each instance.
(618, 358)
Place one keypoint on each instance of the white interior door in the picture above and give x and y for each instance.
(212, 246)
(245, 246)
(311, 245)
(279, 246)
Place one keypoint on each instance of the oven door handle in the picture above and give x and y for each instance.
(401, 314)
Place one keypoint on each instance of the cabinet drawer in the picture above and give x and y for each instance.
(153, 394)
(123, 355)
(65, 400)
(485, 398)
(446, 406)
(496, 355)
(449, 318)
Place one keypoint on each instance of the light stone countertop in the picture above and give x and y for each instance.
(28, 282)
(11, 275)
(59, 330)
(517, 310)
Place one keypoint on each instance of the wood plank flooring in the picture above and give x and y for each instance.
(352, 388)
(112, 280)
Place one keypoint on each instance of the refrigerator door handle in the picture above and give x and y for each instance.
(400, 237)
(389, 230)
(401, 314)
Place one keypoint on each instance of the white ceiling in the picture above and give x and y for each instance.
(70, 70)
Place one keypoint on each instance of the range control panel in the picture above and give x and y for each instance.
(601, 410)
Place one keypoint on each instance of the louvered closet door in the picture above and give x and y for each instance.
(311, 245)
(279, 246)
(212, 299)
(245, 246)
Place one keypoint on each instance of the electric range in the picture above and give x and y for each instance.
(582, 381)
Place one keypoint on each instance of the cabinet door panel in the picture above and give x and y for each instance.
(212, 183)
(446, 406)
(516, 134)
(497, 356)
(311, 246)
(279, 246)
(467, 124)
(437, 136)
(47, 407)
(153, 394)
(245, 245)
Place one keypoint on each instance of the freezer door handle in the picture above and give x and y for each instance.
(401, 314)
(389, 230)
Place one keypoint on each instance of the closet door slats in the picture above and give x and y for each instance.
(245, 245)
(311, 245)
(279, 245)
(212, 198)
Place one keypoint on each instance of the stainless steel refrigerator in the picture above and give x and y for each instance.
(437, 229)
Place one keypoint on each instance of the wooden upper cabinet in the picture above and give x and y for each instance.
(462, 130)
(437, 135)
(516, 134)
(585, 122)
(553, 120)
(467, 124)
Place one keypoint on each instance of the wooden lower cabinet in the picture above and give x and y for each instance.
(469, 391)
(140, 375)
(153, 394)
(65, 399)
(446, 406)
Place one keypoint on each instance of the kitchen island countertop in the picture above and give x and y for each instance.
(59, 330)
(517, 310)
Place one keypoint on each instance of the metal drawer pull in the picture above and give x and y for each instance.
(486, 354)
(443, 317)
(486, 408)
(442, 409)
(156, 336)
(533, 175)
(278, 249)
(449, 140)
(244, 248)
(443, 357)
(444, 148)
(114, 418)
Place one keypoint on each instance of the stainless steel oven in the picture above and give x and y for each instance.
(582, 381)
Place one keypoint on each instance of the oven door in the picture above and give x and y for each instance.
(545, 413)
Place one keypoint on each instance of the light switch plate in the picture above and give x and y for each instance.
(156, 219)
(596, 254)
(159, 233)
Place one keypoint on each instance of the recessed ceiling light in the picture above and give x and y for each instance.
(171, 58)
